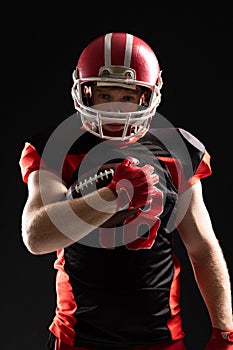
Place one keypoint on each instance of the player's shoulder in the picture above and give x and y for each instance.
(179, 144)
(176, 137)
(190, 138)
(183, 147)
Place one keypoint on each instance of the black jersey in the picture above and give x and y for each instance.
(128, 294)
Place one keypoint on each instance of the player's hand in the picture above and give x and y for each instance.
(134, 186)
(220, 340)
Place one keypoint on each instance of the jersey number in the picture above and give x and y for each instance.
(140, 230)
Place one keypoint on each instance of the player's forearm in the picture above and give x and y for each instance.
(60, 224)
(213, 280)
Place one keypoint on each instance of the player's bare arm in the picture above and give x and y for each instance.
(64, 222)
(207, 260)
(47, 220)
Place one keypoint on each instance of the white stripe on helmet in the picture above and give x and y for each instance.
(107, 49)
(128, 50)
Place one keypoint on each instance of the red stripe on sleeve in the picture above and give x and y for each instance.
(203, 169)
(30, 160)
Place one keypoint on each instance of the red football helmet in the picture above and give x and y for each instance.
(124, 60)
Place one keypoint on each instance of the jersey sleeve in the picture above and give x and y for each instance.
(203, 170)
(187, 159)
(198, 166)
(48, 149)
(31, 160)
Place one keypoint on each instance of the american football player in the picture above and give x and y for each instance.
(107, 191)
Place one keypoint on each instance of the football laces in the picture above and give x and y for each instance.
(94, 179)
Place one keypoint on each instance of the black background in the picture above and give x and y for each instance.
(40, 44)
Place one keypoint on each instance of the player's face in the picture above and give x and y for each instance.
(115, 99)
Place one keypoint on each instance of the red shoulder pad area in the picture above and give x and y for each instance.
(30, 160)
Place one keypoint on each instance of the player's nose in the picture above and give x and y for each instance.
(121, 107)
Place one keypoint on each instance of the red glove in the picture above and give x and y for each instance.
(220, 340)
(134, 186)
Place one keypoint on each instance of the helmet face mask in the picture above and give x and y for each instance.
(128, 120)
(126, 125)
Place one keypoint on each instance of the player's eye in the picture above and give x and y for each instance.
(130, 98)
(103, 96)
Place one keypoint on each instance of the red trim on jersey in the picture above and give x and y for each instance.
(203, 169)
(30, 161)
(175, 322)
(64, 321)
(176, 171)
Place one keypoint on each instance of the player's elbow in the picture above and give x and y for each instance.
(31, 238)
(31, 243)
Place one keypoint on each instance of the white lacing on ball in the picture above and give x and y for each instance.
(93, 179)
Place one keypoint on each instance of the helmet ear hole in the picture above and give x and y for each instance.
(87, 94)
(145, 98)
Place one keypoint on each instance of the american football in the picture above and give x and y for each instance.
(93, 180)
